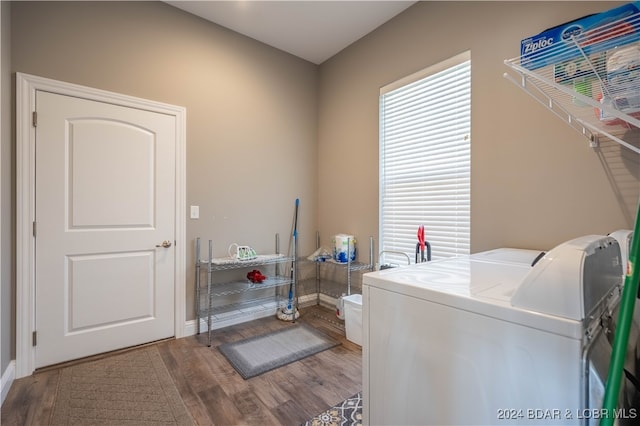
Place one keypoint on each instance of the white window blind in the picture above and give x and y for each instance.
(425, 161)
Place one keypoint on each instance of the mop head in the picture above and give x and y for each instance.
(286, 314)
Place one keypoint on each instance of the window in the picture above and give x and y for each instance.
(425, 160)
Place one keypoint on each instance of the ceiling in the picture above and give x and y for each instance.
(311, 30)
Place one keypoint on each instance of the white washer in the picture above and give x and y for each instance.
(490, 339)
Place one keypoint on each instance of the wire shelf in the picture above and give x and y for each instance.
(231, 313)
(590, 80)
(336, 289)
(353, 266)
(221, 264)
(237, 287)
(245, 306)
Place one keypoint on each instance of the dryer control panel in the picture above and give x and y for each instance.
(573, 279)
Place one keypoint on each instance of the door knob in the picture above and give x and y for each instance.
(165, 244)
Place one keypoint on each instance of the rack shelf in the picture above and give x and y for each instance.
(222, 264)
(336, 287)
(237, 287)
(212, 291)
(242, 309)
(591, 80)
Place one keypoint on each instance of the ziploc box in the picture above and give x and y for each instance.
(593, 33)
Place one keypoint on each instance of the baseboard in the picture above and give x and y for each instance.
(191, 327)
(8, 376)
(328, 301)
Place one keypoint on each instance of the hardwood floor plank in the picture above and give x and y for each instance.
(267, 389)
(221, 409)
(30, 399)
(175, 356)
(311, 398)
(350, 362)
(291, 413)
(333, 380)
(252, 409)
(223, 373)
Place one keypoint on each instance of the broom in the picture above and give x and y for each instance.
(287, 314)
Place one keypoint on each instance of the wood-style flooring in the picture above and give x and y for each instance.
(214, 392)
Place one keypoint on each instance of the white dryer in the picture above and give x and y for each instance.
(490, 339)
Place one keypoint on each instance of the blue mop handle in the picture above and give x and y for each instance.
(295, 221)
(295, 254)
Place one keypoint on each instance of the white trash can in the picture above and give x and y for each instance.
(353, 318)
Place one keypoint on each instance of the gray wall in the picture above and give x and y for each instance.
(7, 196)
(264, 127)
(251, 110)
(534, 181)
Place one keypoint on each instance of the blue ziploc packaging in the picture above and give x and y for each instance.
(593, 33)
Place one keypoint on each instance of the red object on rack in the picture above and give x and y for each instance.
(256, 276)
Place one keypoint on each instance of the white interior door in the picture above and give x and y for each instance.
(105, 203)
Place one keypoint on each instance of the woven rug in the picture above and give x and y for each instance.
(133, 388)
(347, 413)
(259, 354)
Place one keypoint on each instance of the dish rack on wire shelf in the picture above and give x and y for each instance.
(590, 80)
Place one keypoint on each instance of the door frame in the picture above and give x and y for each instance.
(26, 88)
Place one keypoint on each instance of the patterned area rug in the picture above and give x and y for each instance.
(133, 388)
(347, 413)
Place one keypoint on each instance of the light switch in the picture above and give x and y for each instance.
(195, 212)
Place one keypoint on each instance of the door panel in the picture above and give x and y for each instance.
(110, 165)
(121, 273)
(105, 197)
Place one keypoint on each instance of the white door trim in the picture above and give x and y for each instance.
(26, 87)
